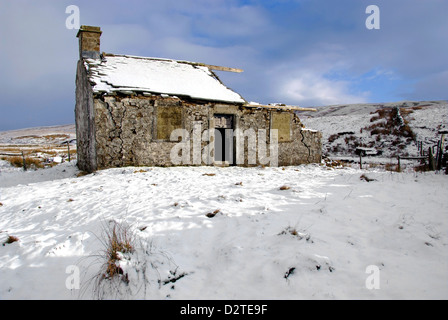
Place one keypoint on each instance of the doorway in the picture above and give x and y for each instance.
(224, 150)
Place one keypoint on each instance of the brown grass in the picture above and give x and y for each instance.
(82, 174)
(56, 136)
(285, 188)
(11, 239)
(406, 111)
(27, 137)
(212, 214)
(423, 167)
(389, 126)
(119, 239)
(333, 137)
(392, 167)
(30, 162)
(334, 163)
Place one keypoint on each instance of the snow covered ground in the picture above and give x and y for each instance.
(313, 240)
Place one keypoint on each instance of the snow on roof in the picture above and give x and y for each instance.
(161, 76)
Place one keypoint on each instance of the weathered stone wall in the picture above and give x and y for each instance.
(127, 132)
(84, 118)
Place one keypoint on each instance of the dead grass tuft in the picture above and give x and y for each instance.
(297, 234)
(10, 239)
(212, 214)
(366, 178)
(118, 240)
(284, 187)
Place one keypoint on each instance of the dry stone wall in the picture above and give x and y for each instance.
(128, 131)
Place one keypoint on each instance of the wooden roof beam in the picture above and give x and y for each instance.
(280, 107)
(219, 68)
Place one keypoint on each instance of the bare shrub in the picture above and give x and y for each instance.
(333, 138)
(130, 268)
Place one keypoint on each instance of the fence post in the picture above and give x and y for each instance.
(24, 162)
(68, 147)
(360, 160)
(399, 164)
(431, 160)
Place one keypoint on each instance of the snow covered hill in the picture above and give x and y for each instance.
(41, 146)
(305, 232)
(38, 135)
(345, 127)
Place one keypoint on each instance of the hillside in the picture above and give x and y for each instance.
(42, 147)
(393, 129)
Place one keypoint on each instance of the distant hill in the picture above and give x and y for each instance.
(393, 129)
(39, 135)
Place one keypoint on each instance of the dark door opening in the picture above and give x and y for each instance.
(224, 153)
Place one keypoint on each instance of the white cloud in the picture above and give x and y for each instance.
(311, 80)
(313, 89)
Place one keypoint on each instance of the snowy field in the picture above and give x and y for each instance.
(313, 240)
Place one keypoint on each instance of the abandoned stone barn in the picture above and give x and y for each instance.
(136, 111)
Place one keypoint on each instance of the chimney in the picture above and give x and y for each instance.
(89, 42)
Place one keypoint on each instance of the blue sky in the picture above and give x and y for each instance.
(299, 52)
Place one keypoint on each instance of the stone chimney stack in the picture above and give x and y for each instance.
(89, 42)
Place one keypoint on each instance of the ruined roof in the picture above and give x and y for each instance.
(122, 73)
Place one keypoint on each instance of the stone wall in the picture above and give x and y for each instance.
(85, 126)
(127, 132)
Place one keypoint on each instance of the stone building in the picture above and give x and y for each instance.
(136, 111)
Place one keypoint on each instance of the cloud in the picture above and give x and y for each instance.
(309, 88)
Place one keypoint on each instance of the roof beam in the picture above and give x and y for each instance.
(280, 107)
(219, 68)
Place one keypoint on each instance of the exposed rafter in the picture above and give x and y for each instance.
(279, 107)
